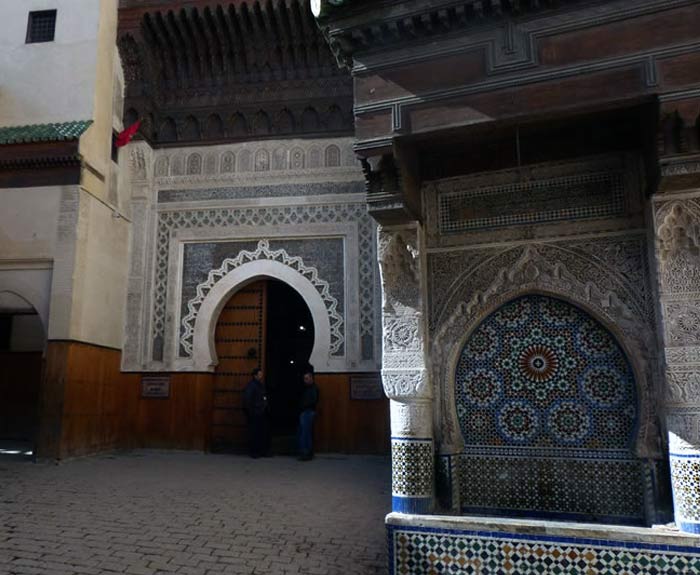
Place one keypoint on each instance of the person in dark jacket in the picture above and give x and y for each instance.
(255, 406)
(309, 400)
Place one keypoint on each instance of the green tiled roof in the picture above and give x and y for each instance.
(64, 131)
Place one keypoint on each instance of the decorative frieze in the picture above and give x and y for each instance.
(566, 198)
(271, 161)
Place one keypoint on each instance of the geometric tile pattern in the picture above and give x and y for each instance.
(267, 216)
(685, 473)
(583, 196)
(428, 551)
(538, 380)
(553, 487)
(541, 372)
(412, 467)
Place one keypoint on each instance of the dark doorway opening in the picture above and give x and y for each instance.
(22, 344)
(290, 340)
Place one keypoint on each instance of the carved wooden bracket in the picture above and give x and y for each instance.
(679, 145)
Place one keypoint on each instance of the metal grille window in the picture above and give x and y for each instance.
(41, 26)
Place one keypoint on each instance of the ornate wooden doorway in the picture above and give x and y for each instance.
(267, 324)
(240, 347)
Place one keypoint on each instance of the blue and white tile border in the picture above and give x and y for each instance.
(423, 545)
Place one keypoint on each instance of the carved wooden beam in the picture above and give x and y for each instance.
(679, 143)
(175, 45)
(393, 185)
(236, 38)
(217, 18)
(284, 43)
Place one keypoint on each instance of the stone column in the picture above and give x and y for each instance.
(677, 227)
(404, 369)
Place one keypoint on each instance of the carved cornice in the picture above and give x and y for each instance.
(367, 26)
(41, 162)
(679, 172)
(39, 155)
(678, 140)
(218, 71)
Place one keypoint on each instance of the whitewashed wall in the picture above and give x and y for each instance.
(30, 73)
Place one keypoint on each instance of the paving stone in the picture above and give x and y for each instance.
(148, 513)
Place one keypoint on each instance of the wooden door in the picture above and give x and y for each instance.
(240, 347)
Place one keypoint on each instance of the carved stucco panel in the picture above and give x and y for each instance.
(683, 355)
(402, 334)
(411, 419)
(681, 323)
(678, 245)
(406, 384)
(400, 271)
(683, 386)
(404, 373)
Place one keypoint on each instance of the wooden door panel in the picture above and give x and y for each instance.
(240, 347)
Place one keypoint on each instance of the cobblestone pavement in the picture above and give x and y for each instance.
(187, 513)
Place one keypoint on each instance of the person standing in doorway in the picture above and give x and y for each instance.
(255, 406)
(309, 400)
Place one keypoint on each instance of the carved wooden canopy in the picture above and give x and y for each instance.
(351, 30)
(215, 71)
(432, 74)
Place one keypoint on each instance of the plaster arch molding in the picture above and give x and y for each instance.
(203, 347)
(534, 274)
(28, 291)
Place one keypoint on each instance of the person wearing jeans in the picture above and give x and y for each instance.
(309, 400)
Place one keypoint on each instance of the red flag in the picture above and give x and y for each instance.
(123, 138)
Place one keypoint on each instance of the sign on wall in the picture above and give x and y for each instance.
(155, 386)
(366, 387)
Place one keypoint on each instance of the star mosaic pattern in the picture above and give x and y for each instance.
(686, 491)
(547, 407)
(411, 468)
(540, 372)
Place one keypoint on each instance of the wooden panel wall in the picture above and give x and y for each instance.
(179, 422)
(88, 405)
(344, 425)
